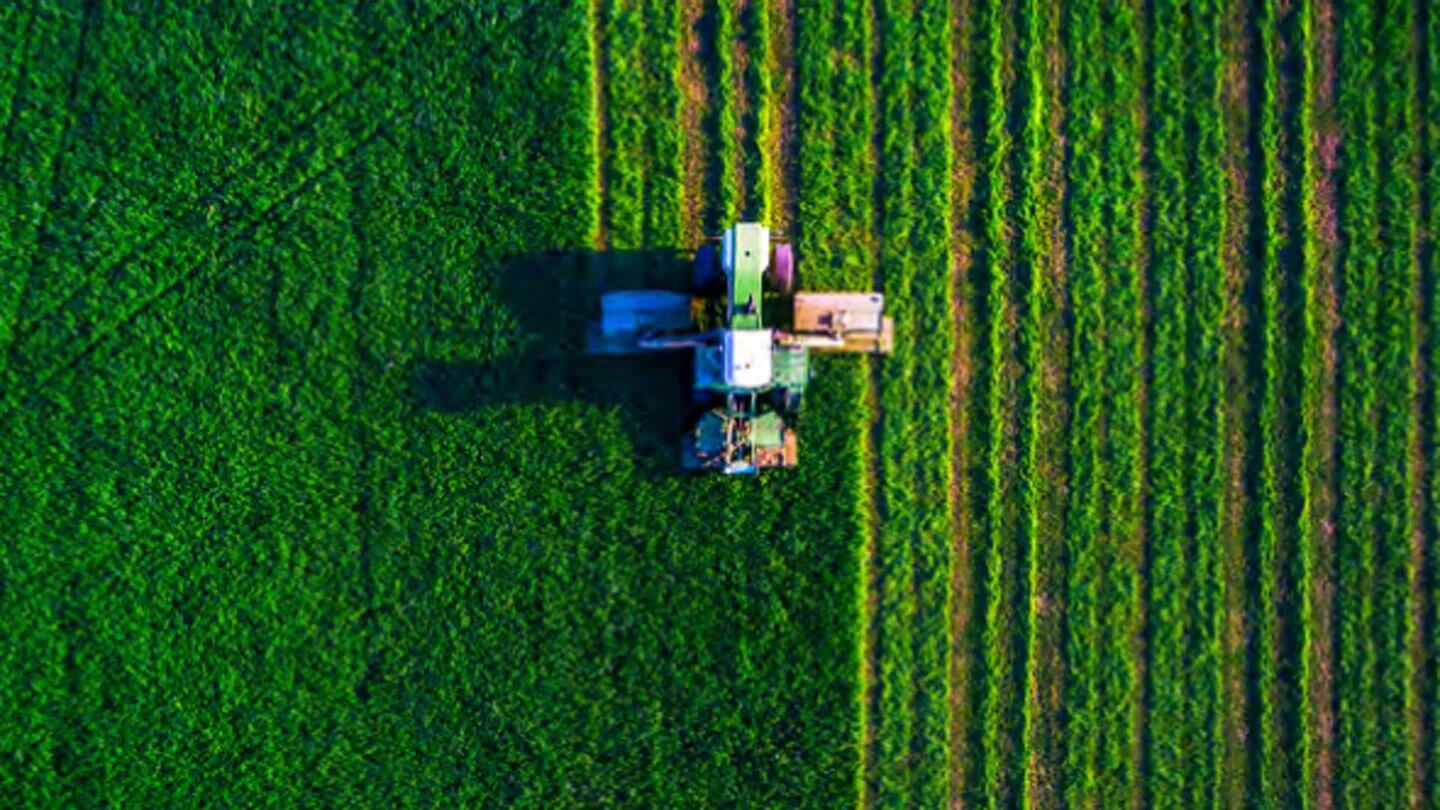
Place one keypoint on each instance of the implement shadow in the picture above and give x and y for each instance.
(552, 297)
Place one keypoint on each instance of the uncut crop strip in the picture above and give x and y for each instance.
(1084, 539)
(1044, 342)
(1398, 286)
(1358, 713)
(1002, 634)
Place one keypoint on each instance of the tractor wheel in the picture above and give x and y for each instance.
(706, 275)
(782, 269)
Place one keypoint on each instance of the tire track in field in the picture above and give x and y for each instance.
(247, 227)
(65, 145)
(241, 213)
(241, 171)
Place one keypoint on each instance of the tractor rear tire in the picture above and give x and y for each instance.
(782, 269)
(707, 275)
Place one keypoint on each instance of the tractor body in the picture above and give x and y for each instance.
(751, 336)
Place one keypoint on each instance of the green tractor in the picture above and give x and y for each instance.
(751, 335)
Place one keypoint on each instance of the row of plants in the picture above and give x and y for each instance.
(1086, 783)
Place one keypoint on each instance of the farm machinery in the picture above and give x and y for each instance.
(750, 334)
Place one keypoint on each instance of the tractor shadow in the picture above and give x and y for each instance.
(552, 296)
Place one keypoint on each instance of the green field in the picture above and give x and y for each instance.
(311, 499)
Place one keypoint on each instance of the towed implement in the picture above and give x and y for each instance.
(751, 334)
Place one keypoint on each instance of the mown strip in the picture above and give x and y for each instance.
(1358, 714)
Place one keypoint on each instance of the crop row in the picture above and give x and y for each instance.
(1171, 567)
(1085, 779)
(1002, 632)
(1041, 271)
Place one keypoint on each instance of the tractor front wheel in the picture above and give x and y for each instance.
(782, 269)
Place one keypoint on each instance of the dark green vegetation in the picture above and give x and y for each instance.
(309, 497)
